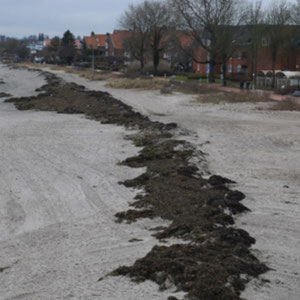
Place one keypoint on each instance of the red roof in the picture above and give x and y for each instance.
(96, 41)
(118, 37)
(47, 43)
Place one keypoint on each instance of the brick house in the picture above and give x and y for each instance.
(241, 62)
(116, 44)
(98, 42)
(109, 45)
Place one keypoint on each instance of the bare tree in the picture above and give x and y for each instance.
(278, 33)
(209, 22)
(138, 40)
(51, 52)
(255, 28)
(296, 13)
(148, 24)
(178, 49)
(10, 46)
(229, 40)
(159, 18)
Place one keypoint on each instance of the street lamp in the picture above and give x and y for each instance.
(93, 62)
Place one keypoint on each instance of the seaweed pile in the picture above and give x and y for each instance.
(216, 261)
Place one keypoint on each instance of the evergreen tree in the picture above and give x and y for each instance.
(67, 50)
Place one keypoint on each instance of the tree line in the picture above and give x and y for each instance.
(221, 27)
(61, 50)
(178, 27)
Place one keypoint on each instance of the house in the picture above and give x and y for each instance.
(241, 61)
(35, 47)
(116, 46)
(97, 42)
(177, 49)
(109, 45)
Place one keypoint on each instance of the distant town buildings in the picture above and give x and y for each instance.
(108, 44)
(34, 47)
(241, 64)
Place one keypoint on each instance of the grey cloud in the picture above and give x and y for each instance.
(20, 18)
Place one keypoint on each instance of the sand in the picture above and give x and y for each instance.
(56, 246)
(257, 148)
(59, 190)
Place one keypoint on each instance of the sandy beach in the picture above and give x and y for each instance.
(259, 149)
(57, 224)
(56, 240)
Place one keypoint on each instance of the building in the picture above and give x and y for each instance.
(110, 46)
(35, 47)
(241, 62)
(116, 44)
(97, 42)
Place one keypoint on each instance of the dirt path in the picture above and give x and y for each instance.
(260, 150)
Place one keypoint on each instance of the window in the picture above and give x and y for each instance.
(207, 68)
(244, 69)
(264, 42)
(238, 68)
(198, 67)
(167, 55)
(229, 68)
(239, 55)
(206, 42)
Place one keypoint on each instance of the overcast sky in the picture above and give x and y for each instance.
(19, 18)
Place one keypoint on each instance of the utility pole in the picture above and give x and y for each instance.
(93, 62)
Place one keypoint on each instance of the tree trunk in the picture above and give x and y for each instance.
(224, 69)
(155, 60)
(142, 65)
(273, 69)
(254, 70)
(212, 65)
